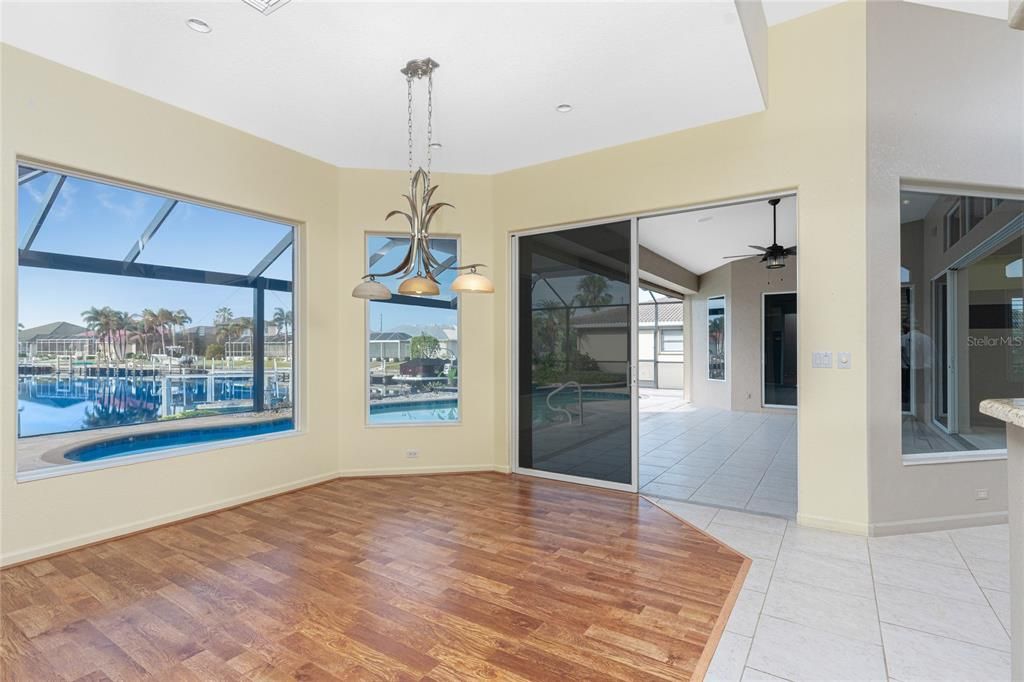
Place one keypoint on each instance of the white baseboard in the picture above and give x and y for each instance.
(412, 471)
(66, 544)
(839, 525)
(153, 521)
(928, 524)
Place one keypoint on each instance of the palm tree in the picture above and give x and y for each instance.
(179, 319)
(223, 316)
(101, 322)
(283, 320)
(165, 321)
(592, 292)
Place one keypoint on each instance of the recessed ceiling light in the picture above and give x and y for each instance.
(198, 25)
(563, 108)
(435, 145)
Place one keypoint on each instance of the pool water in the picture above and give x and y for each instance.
(439, 411)
(134, 445)
(428, 411)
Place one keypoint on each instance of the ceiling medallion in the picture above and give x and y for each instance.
(419, 268)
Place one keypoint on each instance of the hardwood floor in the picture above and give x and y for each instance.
(449, 577)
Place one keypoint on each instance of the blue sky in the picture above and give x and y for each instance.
(103, 221)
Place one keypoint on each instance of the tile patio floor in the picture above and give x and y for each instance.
(739, 460)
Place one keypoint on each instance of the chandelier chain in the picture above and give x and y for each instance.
(408, 83)
(430, 122)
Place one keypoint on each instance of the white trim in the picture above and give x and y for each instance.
(839, 525)
(568, 478)
(633, 379)
(953, 457)
(367, 323)
(934, 523)
(422, 470)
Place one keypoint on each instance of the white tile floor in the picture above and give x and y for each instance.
(741, 460)
(824, 606)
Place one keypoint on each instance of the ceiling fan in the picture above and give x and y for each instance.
(774, 255)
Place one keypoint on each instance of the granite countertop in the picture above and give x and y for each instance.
(1009, 410)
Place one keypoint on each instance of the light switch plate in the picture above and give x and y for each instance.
(821, 359)
(843, 360)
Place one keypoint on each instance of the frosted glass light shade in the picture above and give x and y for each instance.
(419, 286)
(472, 283)
(371, 290)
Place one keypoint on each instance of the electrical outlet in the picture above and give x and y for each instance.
(981, 494)
(412, 454)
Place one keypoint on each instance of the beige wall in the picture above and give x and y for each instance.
(750, 279)
(812, 139)
(942, 113)
(53, 114)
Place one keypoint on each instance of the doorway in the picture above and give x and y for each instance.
(779, 371)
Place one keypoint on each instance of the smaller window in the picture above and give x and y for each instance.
(716, 338)
(671, 340)
(954, 224)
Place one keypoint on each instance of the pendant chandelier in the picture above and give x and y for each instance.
(419, 268)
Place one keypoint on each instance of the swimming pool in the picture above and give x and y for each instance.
(148, 442)
(426, 411)
(447, 410)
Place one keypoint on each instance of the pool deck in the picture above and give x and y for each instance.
(44, 452)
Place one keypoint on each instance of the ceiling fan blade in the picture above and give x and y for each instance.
(791, 251)
(745, 255)
(759, 248)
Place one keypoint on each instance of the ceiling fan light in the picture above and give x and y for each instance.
(775, 262)
(371, 290)
(472, 283)
(419, 286)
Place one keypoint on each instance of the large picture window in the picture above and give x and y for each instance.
(146, 323)
(413, 341)
(961, 326)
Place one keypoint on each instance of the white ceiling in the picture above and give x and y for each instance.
(698, 240)
(996, 9)
(323, 77)
(916, 205)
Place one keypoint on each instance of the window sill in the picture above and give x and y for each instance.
(954, 457)
(125, 460)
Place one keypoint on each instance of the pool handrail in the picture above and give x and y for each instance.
(579, 401)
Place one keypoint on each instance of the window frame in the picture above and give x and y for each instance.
(367, 322)
(299, 427)
(725, 338)
(661, 342)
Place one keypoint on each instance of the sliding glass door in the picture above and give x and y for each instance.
(575, 370)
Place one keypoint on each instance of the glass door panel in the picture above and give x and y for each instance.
(780, 349)
(575, 384)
